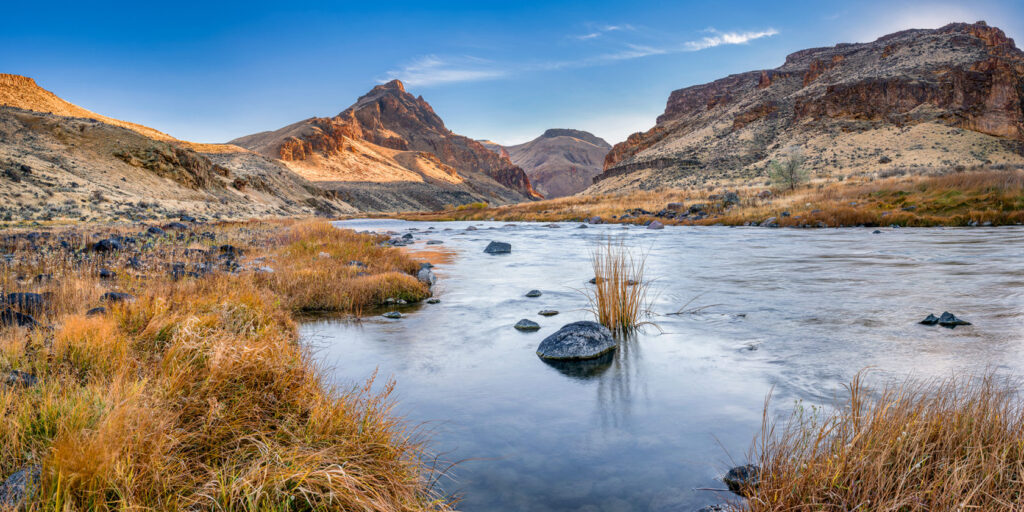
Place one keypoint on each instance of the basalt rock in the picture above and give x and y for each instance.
(578, 340)
(956, 79)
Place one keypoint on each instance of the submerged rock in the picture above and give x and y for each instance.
(527, 325)
(547, 312)
(742, 479)
(433, 300)
(533, 293)
(578, 340)
(498, 248)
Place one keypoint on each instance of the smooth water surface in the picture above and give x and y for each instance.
(798, 310)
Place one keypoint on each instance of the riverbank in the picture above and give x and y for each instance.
(949, 198)
(160, 369)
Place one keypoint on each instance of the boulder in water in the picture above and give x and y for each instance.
(392, 314)
(527, 325)
(578, 340)
(426, 276)
(498, 248)
(655, 225)
(947, 319)
(533, 293)
(742, 479)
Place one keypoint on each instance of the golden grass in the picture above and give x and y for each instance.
(941, 197)
(956, 444)
(197, 395)
(619, 297)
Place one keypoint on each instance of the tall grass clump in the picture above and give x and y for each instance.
(619, 297)
(955, 444)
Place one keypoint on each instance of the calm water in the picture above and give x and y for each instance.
(800, 310)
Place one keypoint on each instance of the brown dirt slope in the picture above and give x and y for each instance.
(561, 162)
(915, 99)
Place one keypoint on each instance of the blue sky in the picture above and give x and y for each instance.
(214, 71)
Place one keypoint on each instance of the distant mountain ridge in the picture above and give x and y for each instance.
(388, 135)
(560, 162)
(913, 99)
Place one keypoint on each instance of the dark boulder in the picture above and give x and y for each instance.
(498, 248)
(12, 318)
(29, 302)
(175, 226)
(533, 293)
(19, 487)
(117, 297)
(155, 231)
(96, 311)
(106, 273)
(20, 379)
(187, 218)
(392, 315)
(947, 319)
(107, 245)
(578, 340)
(930, 320)
(547, 312)
(742, 479)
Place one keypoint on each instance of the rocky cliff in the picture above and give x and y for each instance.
(61, 161)
(912, 99)
(375, 140)
(561, 162)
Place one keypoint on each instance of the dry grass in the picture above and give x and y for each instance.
(197, 395)
(940, 197)
(619, 297)
(956, 444)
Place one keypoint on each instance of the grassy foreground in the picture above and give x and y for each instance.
(196, 395)
(955, 444)
(943, 198)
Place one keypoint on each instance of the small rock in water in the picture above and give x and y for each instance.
(930, 320)
(435, 242)
(18, 487)
(547, 312)
(433, 300)
(471, 228)
(498, 248)
(655, 225)
(742, 479)
(581, 226)
(876, 232)
(392, 314)
(533, 293)
(578, 340)
(947, 319)
(527, 325)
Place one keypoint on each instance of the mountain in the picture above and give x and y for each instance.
(906, 102)
(391, 151)
(59, 160)
(560, 162)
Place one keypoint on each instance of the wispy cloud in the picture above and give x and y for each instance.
(720, 38)
(434, 70)
(600, 31)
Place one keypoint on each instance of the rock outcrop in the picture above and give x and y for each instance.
(391, 136)
(947, 96)
(561, 162)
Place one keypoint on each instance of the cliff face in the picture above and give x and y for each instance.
(390, 120)
(561, 162)
(964, 76)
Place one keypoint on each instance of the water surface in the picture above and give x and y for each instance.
(798, 310)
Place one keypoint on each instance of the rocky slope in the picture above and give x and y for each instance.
(60, 161)
(391, 137)
(915, 99)
(560, 162)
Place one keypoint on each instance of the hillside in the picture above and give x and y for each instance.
(60, 161)
(561, 162)
(390, 151)
(908, 102)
